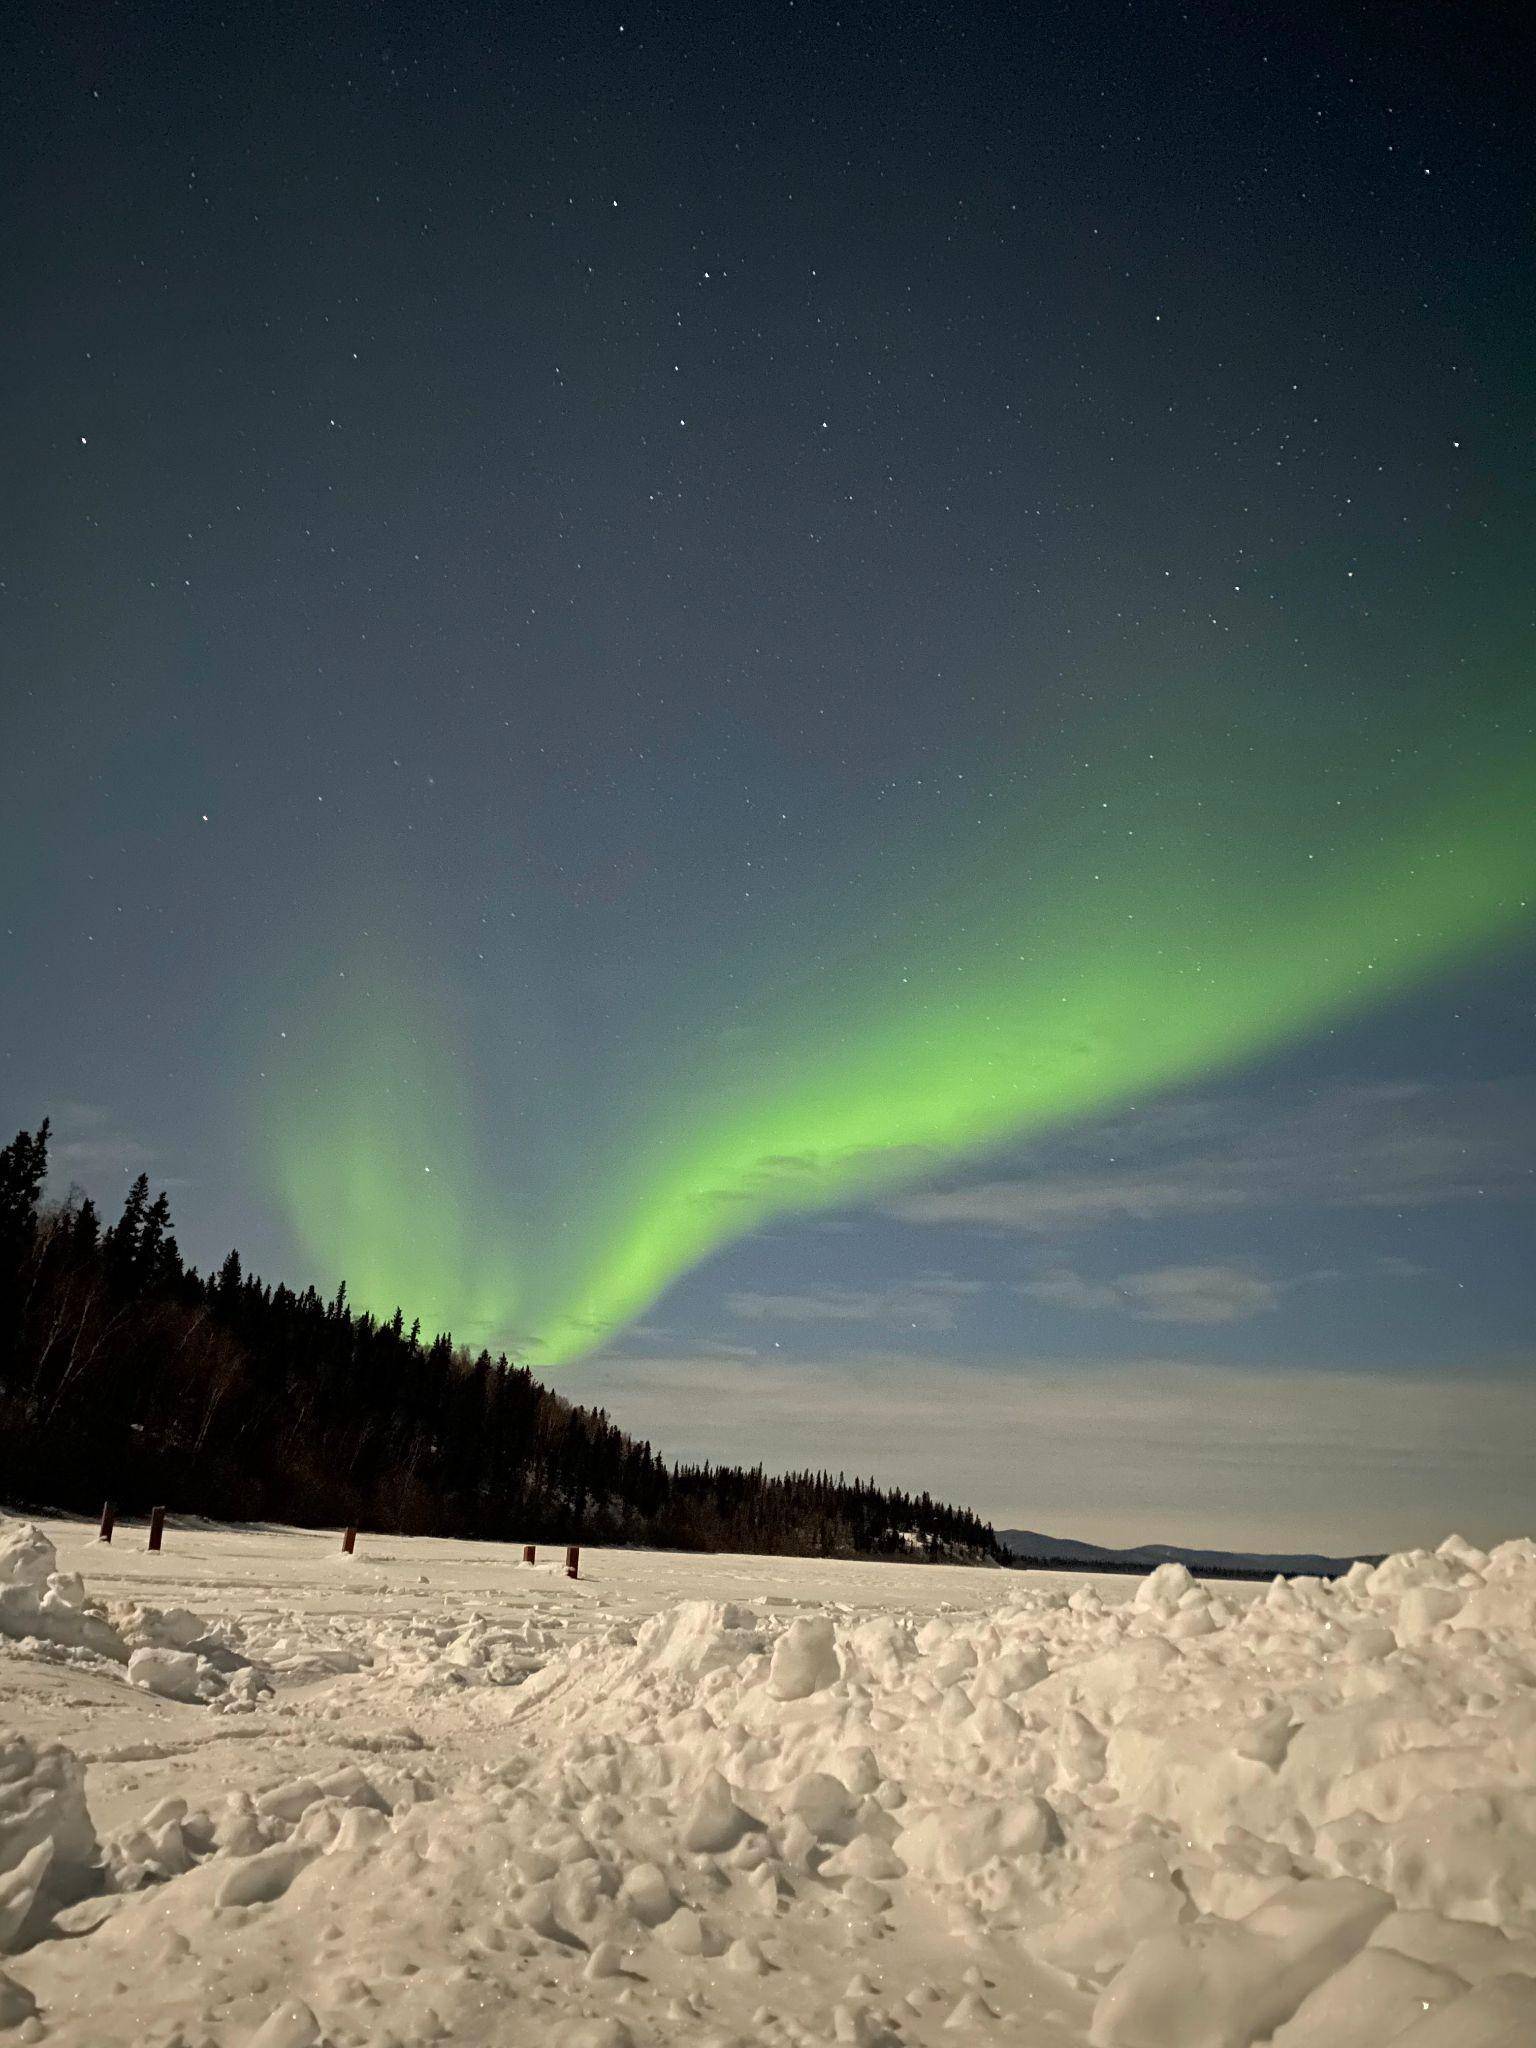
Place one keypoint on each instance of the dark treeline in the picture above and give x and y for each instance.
(126, 1374)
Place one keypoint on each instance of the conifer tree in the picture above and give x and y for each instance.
(23, 1169)
(121, 1244)
(85, 1233)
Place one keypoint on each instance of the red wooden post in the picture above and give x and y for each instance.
(527, 1553)
(108, 1520)
(572, 1560)
(349, 1541)
(156, 1526)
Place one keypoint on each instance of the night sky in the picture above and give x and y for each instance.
(821, 714)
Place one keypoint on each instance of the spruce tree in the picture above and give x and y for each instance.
(120, 1246)
(85, 1232)
(23, 1169)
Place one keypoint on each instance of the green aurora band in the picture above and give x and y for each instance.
(1160, 914)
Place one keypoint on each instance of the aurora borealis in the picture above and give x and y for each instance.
(774, 714)
(1096, 949)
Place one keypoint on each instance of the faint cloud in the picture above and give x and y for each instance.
(771, 1177)
(1062, 1288)
(1396, 1145)
(88, 1144)
(1200, 1294)
(1389, 1266)
(811, 1177)
(527, 1347)
(1168, 1294)
(1049, 1202)
(925, 1304)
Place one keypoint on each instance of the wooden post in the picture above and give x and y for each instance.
(527, 1553)
(108, 1521)
(572, 1561)
(349, 1541)
(156, 1527)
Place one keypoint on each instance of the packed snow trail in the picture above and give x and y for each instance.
(256, 1792)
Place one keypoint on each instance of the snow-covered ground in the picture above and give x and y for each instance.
(429, 1794)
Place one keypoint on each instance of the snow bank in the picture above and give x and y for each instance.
(173, 1653)
(48, 1849)
(1178, 1822)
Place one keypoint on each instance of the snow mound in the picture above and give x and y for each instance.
(48, 1850)
(1307, 1820)
(170, 1653)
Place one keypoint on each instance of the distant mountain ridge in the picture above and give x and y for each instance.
(1067, 1550)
